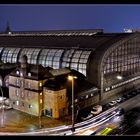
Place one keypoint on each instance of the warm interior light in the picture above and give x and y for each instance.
(40, 84)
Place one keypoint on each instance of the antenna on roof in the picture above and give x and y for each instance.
(8, 30)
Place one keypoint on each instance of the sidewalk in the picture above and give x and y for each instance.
(17, 121)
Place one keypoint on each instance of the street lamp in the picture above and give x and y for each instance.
(71, 78)
(119, 77)
(2, 118)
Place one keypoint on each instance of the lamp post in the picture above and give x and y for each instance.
(2, 118)
(119, 77)
(71, 78)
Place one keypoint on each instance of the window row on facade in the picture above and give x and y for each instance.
(121, 83)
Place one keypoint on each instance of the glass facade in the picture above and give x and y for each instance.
(76, 59)
(55, 58)
(50, 57)
(32, 54)
(10, 55)
(123, 60)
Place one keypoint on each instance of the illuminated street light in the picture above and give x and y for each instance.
(119, 77)
(71, 78)
(2, 118)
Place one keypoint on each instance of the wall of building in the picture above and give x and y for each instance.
(56, 101)
(121, 90)
(26, 96)
(28, 102)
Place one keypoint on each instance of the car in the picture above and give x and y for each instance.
(130, 94)
(138, 90)
(7, 107)
(7, 102)
(2, 99)
(106, 107)
(87, 117)
(134, 93)
(119, 100)
(127, 96)
(120, 111)
(96, 109)
(112, 103)
(123, 98)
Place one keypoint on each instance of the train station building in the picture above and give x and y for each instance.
(109, 62)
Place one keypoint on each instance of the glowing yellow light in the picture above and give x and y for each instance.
(40, 84)
(71, 77)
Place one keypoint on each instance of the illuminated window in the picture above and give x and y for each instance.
(40, 84)
(21, 74)
(22, 83)
(40, 101)
(29, 95)
(17, 82)
(29, 74)
(28, 84)
(10, 55)
(17, 103)
(30, 106)
(86, 96)
(40, 93)
(22, 94)
(31, 54)
(17, 93)
(76, 100)
(17, 72)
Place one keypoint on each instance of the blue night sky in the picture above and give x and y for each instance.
(111, 18)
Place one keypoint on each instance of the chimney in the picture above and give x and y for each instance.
(23, 65)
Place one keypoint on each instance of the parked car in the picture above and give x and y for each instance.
(119, 100)
(127, 96)
(87, 117)
(7, 102)
(112, 103)
(106, 107)
(96, 109)
(138, 90)
(2, 99)
(121, 111)
(134, 93)
(7, 107)
(123, 98)
(130, 94)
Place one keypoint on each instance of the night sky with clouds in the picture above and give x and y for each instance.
(38, 17)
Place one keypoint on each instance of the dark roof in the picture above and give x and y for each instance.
(5, 66)
(61, 82)
(53, 39)
(80, 32)
(38, 72)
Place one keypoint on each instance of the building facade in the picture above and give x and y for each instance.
(101, 57)
(26, 87)
(28, 94)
